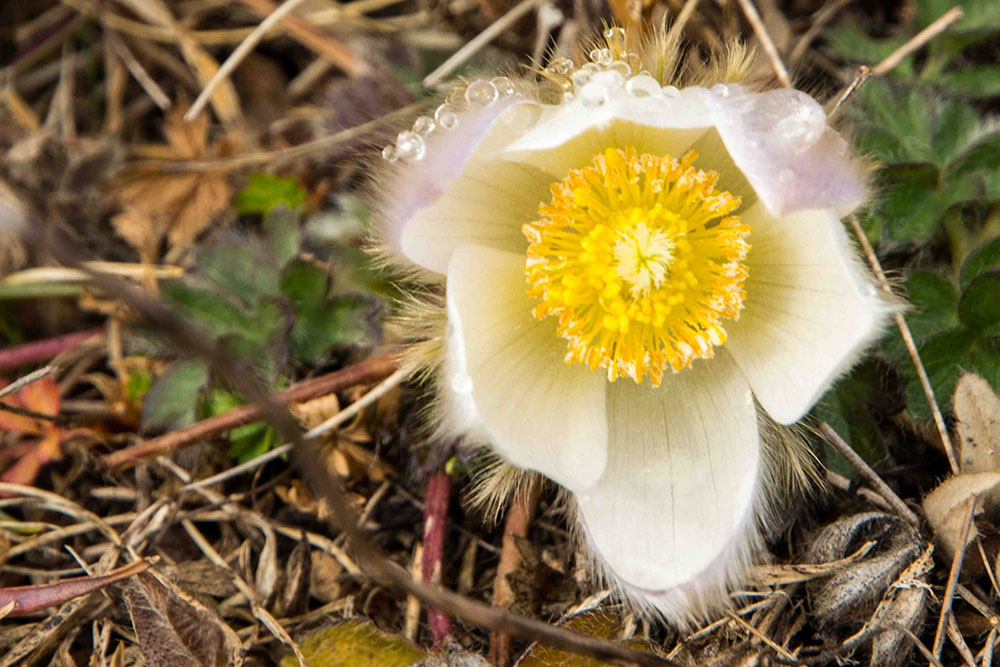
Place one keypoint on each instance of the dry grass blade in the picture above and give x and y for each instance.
(911, 345)
(29, 599)
(239, 54)
(866, 471)
(956, 569)
(770, 50)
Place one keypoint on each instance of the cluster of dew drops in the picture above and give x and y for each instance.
(608, 68)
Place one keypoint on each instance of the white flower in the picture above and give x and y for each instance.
(631, 270)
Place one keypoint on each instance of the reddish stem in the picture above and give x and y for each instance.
(371, 370)
(43, 350)
(28, 599)
(519, 519)
(435, 517)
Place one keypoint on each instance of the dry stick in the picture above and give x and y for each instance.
(822, 16)
(687, 11)
(22, 382)
(911, 345)
(770, 50)
(42, 350)
(956, 568)
(840, 482)
(239, 54)
(235, 372)
(309, 36)
(866, 471)
(939, 25)
(367, 371)
(519, 518)
(138, 72)
(435, 519)
(855, 85)
(478, 42)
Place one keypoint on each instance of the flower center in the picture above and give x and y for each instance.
(640, 260)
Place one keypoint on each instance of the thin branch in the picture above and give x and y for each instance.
(890, 62)
(233, 371)
(244, 49)
(367, 371)
(377, 392)
(821, 17)
(435, 522)
(939, 25)
(840, 482)
(911, 345)
(30, 378)
(43, 350)
(866, 471)
(956, 569)
(855, 85)
(138, 72)
(770, 50)
(479, 41)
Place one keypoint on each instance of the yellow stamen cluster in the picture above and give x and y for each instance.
(639, 258)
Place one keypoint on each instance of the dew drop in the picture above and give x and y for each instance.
(594, 94)
(621, 67)
(591, 68)
(580, 78)
(642, 85)
(561, 66)
(389, 153)
(446, 116)
(604, 57)
(503, 86)
(615, 38)
(461, 383)
(671, 91)
(410, 146)
(721, 89)
(423, 125)
(481, 92)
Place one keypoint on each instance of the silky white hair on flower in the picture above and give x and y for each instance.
(633, 280)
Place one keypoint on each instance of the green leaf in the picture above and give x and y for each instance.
(852, 42)
(265, 192)
(347, 320)
(980, 304)
(355, 643)
(138, 384)
(206, 308)
(944, 355)
(853, 407)
(244, 267)
(933, 307)
(172, 401)
(249, 441)
(983, 258)
(978, 81)
(304, 284)
(283, 231)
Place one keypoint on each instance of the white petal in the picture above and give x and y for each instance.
(538, 412)
(810, 310)
(567, 136)
(781, 142)
(460, 191)
(680, 483)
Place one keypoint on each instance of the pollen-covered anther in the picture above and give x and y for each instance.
(639, 259)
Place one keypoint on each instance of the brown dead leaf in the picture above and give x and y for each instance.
(157, 203)
(945, 506)
(977, 408)
(174, 630)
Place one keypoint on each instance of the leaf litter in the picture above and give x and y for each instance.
(241, 222)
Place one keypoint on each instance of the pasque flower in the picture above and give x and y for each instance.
(641, 282)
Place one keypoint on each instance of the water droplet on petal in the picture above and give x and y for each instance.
(791, 120)
(604, 57)
(615, 38)
(410, 146)
(481, 92)
(721, 89)
(423, 125)
(446, 116)
(503, 85)
(561, 66)
(580, 78)
(621, 67)
(461, 383)
(642, 85)
(671, 91)
(591, 68)
(389, 153)
(594, 94)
